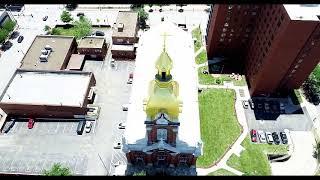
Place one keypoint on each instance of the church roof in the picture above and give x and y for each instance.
(164, 62)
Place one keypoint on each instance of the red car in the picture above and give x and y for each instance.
(30, 123)
(253, 135)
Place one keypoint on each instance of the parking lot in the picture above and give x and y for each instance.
(34, 164)
(46, 128)
(274, 118)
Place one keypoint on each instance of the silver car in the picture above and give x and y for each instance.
(269, 137)
(262, 136)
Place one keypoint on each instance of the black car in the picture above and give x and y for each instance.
(160, 10)
(20, 39)
(180, 10)
(276, 138)
(80, 14)
(98, 33)
(7, 45)
(45, 18)
(14, 35)
(150, 10)
(284, 137)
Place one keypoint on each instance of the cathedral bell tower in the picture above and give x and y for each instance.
(162, 105)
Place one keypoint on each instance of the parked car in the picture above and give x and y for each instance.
(20, 39)
(283, 137)
(269, 137)
(117, 145)
(45, 18)
(7, 45)
(160, 10)
(251, 103)
(14, 34)
(98, 33)
(150, 10)
(266, 107)
(253, 135)
(180, 10)
(80, 127)
(80, 14)
(30, 123)
(122, 125)
(276, 138)
(260, 107)
(12, 122)
(245, 104)
(130, 78)
(88, 126)
(282, 108)
(262, 136)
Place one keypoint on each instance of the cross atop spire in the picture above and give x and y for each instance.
(164, 40)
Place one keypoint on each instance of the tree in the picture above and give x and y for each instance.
(3, 34)
(9, 25)
(82, 27)
(55, 31)
(57, 170)
(66, 17)
(47, 28)
(143, 17)
(71, 7)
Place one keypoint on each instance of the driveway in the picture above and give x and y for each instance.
(301, 161)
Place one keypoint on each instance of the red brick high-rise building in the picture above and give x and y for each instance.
(278, 45)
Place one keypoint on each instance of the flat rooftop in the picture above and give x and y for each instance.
(122, 47)
(91, 42)
(129, 20)
(179, 46)
(60, 45)
(306, 12)
(47, 88)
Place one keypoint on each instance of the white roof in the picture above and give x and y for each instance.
(179, 46)
(47, 88)
(122, 47)
(303, 11)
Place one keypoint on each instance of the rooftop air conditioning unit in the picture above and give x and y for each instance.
(43, 58)
(120, 27)
(47, 47)
(44, 52)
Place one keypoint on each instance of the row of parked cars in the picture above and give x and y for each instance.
(268, 137)
(264, 106)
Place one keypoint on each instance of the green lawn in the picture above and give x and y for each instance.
(221, 172)
(209, 79)
(65, 32)
(253, 160)
(202, 57)
(316, 72)
(219, 125)
(196, 33)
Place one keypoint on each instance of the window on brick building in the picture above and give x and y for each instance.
(279, 23)
(162, 134)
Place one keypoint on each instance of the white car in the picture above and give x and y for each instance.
(262, 136)
(117, 145)
(269, 137)
(122, 125)
(88, 126)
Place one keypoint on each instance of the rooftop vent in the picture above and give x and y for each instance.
(47, 47)
(45, 53)
(120, 27)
